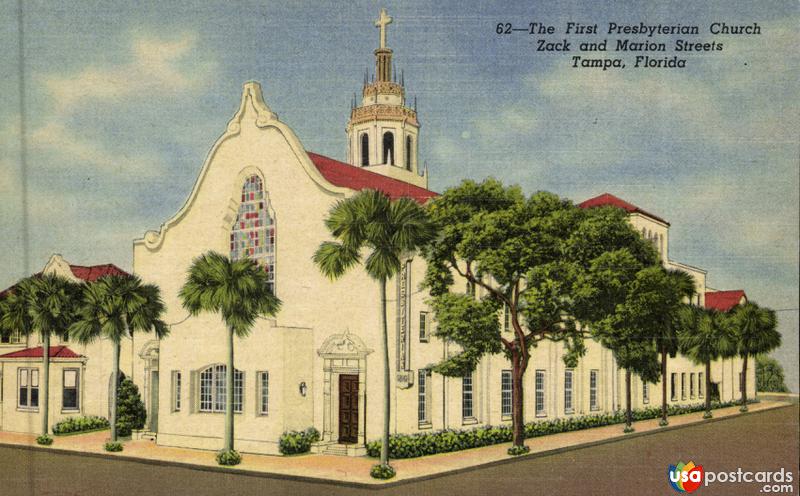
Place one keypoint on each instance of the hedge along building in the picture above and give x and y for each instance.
(261, 195)
(80, 374)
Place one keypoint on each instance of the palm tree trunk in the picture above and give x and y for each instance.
(114, 392)
(744, 384)
(518, 414)
(45, 396)
(229, 394)
(628, 413)
(707, 387)
(664, 410)
(386, 387)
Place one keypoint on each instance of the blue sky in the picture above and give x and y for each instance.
(124, 100)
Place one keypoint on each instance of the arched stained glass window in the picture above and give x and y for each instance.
(253, 233)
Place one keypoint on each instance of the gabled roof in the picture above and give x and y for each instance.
(356, 178)
(88, 273)
(724, 300)
(55, 352)
(607, 199)
(92, 273)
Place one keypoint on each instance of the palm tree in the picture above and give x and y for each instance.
(239, 292)
(756, 332)
(706, 335)
(680, 286)
(45, 305)
(389, 229)
(114, 307)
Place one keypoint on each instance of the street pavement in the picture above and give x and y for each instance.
(763, 441)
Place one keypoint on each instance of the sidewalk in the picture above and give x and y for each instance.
(355, 470)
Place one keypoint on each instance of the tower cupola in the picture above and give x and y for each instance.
(383, 133)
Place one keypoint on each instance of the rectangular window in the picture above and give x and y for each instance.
(683, 385)
(470, 288)
(69, 394)
(28, 381)
(423, 327)
(691, 385)
(540, 393)
(466, 397)
(505, 393)
(176, 391)
(593, 390)
(238, 389)
(645, 392)
(673, 378)
(568, 375)
(263, 393)
(424, 397)
(11, 338)
(701, 384)
(506, 318)
(740, 382)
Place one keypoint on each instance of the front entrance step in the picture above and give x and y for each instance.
(338, 449)
(147, 435)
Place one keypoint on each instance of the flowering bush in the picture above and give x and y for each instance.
(80, 424)
(444, 441)
(44, 440)
(231, 457)
(294, 442)
(382, 471)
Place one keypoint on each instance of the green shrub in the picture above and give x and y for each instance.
(44, 440)
(131, 413)
(382, 471)
(444, 441)
(229, 458)
(294, 442)
(518, 450)
(80, 424)
(114, 447)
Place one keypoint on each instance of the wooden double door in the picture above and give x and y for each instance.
(348, 408)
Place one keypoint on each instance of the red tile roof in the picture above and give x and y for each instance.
(724, 300)
(348, 176)
(608, 199)
(94, 272)
(55, 352)
(89, 273)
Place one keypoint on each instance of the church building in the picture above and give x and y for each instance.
(261, 195)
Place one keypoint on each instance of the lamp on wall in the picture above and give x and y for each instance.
(303, 389)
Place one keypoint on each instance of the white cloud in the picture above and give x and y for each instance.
(155, 68)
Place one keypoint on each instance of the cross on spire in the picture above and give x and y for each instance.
(383, 21)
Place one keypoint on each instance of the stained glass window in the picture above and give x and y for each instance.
(253, 233)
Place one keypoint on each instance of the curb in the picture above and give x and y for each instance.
(378, 484)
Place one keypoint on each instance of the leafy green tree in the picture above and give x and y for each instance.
(705, 336)
(513, 248)
(675, 287)
(240, 292)
(618, 292)
(43, 305)
(769, 375)
(114, 307)
(389, 230)
(756, 332)
(628, 331)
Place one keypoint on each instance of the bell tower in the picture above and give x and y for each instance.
(383, 133)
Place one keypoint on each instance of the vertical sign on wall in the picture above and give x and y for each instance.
(404, 376)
